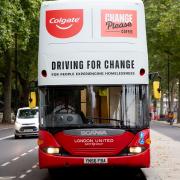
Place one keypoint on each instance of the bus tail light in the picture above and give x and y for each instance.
(136, 150)
(140, 143)
(52, 150)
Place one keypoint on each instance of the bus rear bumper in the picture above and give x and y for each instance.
(141, 160)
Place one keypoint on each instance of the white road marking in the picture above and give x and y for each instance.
(6, 137)
(35, 166)
(22, 176)
(5, 164)
(23, 154)
(31, 150)
(7, 177)
(16, 158)
(28, 171)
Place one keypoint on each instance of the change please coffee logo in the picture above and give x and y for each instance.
(119, 23)
(64, 23)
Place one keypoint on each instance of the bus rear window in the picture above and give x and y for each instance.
(123, 106)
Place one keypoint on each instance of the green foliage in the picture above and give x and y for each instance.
(163, 33)
(19, 18)
(12, 21)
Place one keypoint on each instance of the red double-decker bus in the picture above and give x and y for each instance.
(93, 84)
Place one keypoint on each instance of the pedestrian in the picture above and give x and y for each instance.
(171, 117)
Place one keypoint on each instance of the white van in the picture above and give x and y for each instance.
(26, 123)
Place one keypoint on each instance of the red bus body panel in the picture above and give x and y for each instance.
(50, 161)
(80, 147)
(94, 146)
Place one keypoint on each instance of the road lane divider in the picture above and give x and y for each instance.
(23, 154)
(18, 157)
(5, 164)
(35, 166)
(7, 177)
(6, 137)
(28, 171)
(31, 150)
(22, 176)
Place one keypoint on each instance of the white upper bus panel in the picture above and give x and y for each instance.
(92, 42)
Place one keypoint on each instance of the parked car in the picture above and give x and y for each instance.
(27, 122)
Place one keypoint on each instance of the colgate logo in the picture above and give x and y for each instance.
(59, 22)
(64, 23)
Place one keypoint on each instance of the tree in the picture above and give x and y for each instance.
(19, 18)
(163, 24)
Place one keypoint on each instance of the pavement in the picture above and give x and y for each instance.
(164, 165)
(3, 126)
(165, 156)
(7, 125)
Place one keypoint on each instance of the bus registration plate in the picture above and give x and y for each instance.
(95, 160)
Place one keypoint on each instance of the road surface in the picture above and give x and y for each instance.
(19, 159)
